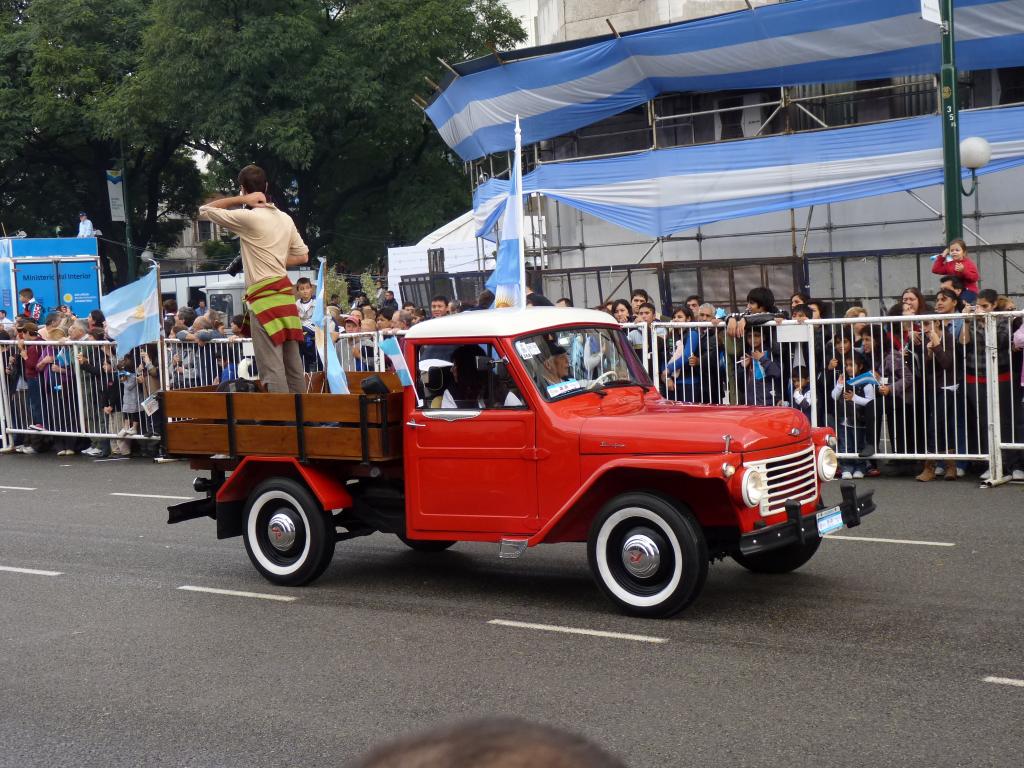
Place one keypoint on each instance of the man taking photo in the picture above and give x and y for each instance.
(270, 244)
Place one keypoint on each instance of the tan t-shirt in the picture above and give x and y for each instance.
(268, 238)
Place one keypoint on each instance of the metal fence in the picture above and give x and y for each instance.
(77, 396)
(934, 387)
(944, 388)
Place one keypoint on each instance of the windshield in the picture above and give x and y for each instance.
(573, 360)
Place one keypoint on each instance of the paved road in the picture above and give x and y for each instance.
(875, 653)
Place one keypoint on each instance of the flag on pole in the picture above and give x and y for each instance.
(337, 381)
(133, 313)
(389, 346)
(508, 281)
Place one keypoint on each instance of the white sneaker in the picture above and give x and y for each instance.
(1018, 474)
(960, 472)
(847, 475)
(91, 451)
(27, 449)
(858, 475)
(940, 471)
(985, 475)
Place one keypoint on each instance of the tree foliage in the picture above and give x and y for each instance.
(316, 91)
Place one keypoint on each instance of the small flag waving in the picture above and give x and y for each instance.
(133, 313)
(509, 277)
(337, 381)
(389, 346)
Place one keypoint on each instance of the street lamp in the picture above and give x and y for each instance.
(975, 152)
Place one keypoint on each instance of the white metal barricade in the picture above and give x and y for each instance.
(907, 387)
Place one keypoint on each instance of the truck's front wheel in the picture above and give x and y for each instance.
(647, 554)
(781, 560)
(289, 538)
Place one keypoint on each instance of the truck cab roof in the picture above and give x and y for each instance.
(506, 322)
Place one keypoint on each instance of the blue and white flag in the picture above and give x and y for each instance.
(337, 381)
(509, 276)
(133, 313)
(389, 346)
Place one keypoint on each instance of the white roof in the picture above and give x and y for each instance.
(460, 230)
(506, 322)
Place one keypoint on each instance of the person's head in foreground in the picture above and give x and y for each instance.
(490, 743)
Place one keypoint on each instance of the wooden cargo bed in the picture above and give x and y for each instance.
(202, 422)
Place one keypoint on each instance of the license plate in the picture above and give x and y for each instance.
(829, 520)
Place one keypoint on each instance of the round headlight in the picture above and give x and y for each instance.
(828, 463)
(755, 487)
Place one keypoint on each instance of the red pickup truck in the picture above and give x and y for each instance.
(520, 428)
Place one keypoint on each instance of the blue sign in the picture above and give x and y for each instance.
(41, 277)
(78, 286)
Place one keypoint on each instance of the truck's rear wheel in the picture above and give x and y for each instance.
(647, 554)
(782, 560)
(426, 545)
(288, 537)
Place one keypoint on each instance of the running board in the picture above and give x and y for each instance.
(511, 548)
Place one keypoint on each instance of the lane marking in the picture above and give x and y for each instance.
(31, 571)
(892, 541)
(119, 458)
(237, 593)
(1004, 681)
(15, 488)
(578, 631)
(153, 496)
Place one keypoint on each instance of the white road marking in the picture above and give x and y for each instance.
(1004, 681)
(892, 541)
(153, 496)
(31, 571)
(15, 488)
(578, 631)
(119, 458)
(237, 593)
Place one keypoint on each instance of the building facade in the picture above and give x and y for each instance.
(861, 251)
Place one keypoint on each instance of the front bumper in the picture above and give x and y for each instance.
(801, 528)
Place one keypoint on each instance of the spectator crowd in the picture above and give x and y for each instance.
(913, 383)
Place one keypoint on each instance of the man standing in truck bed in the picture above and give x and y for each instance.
(270, 244)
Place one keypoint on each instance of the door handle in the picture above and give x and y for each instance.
(414, 423)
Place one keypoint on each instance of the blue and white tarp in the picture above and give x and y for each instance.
(806, 41)
(665, 191)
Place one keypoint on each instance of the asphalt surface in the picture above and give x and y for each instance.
(875, 653)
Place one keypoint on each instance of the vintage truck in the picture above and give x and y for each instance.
(520, 428)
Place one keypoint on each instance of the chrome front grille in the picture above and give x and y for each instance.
(792, 476)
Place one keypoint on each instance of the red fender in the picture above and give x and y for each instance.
(328, 489)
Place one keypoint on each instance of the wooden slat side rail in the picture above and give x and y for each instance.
(255, 406)
(193, 404)
(191, 438)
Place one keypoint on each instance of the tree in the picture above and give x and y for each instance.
(318, 93)
(67, 115)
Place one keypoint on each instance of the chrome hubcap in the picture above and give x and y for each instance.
(640, 555)
(281, 532)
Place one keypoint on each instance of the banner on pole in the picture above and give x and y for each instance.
(115, 190)
(930, 11)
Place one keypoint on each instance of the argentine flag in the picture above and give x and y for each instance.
(337, 381)
(133, 313)
(509, 274)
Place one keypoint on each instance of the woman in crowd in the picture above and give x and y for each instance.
(973, 337)
(622, 311)
(682, 373)
(60, 404)
(941, 365)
